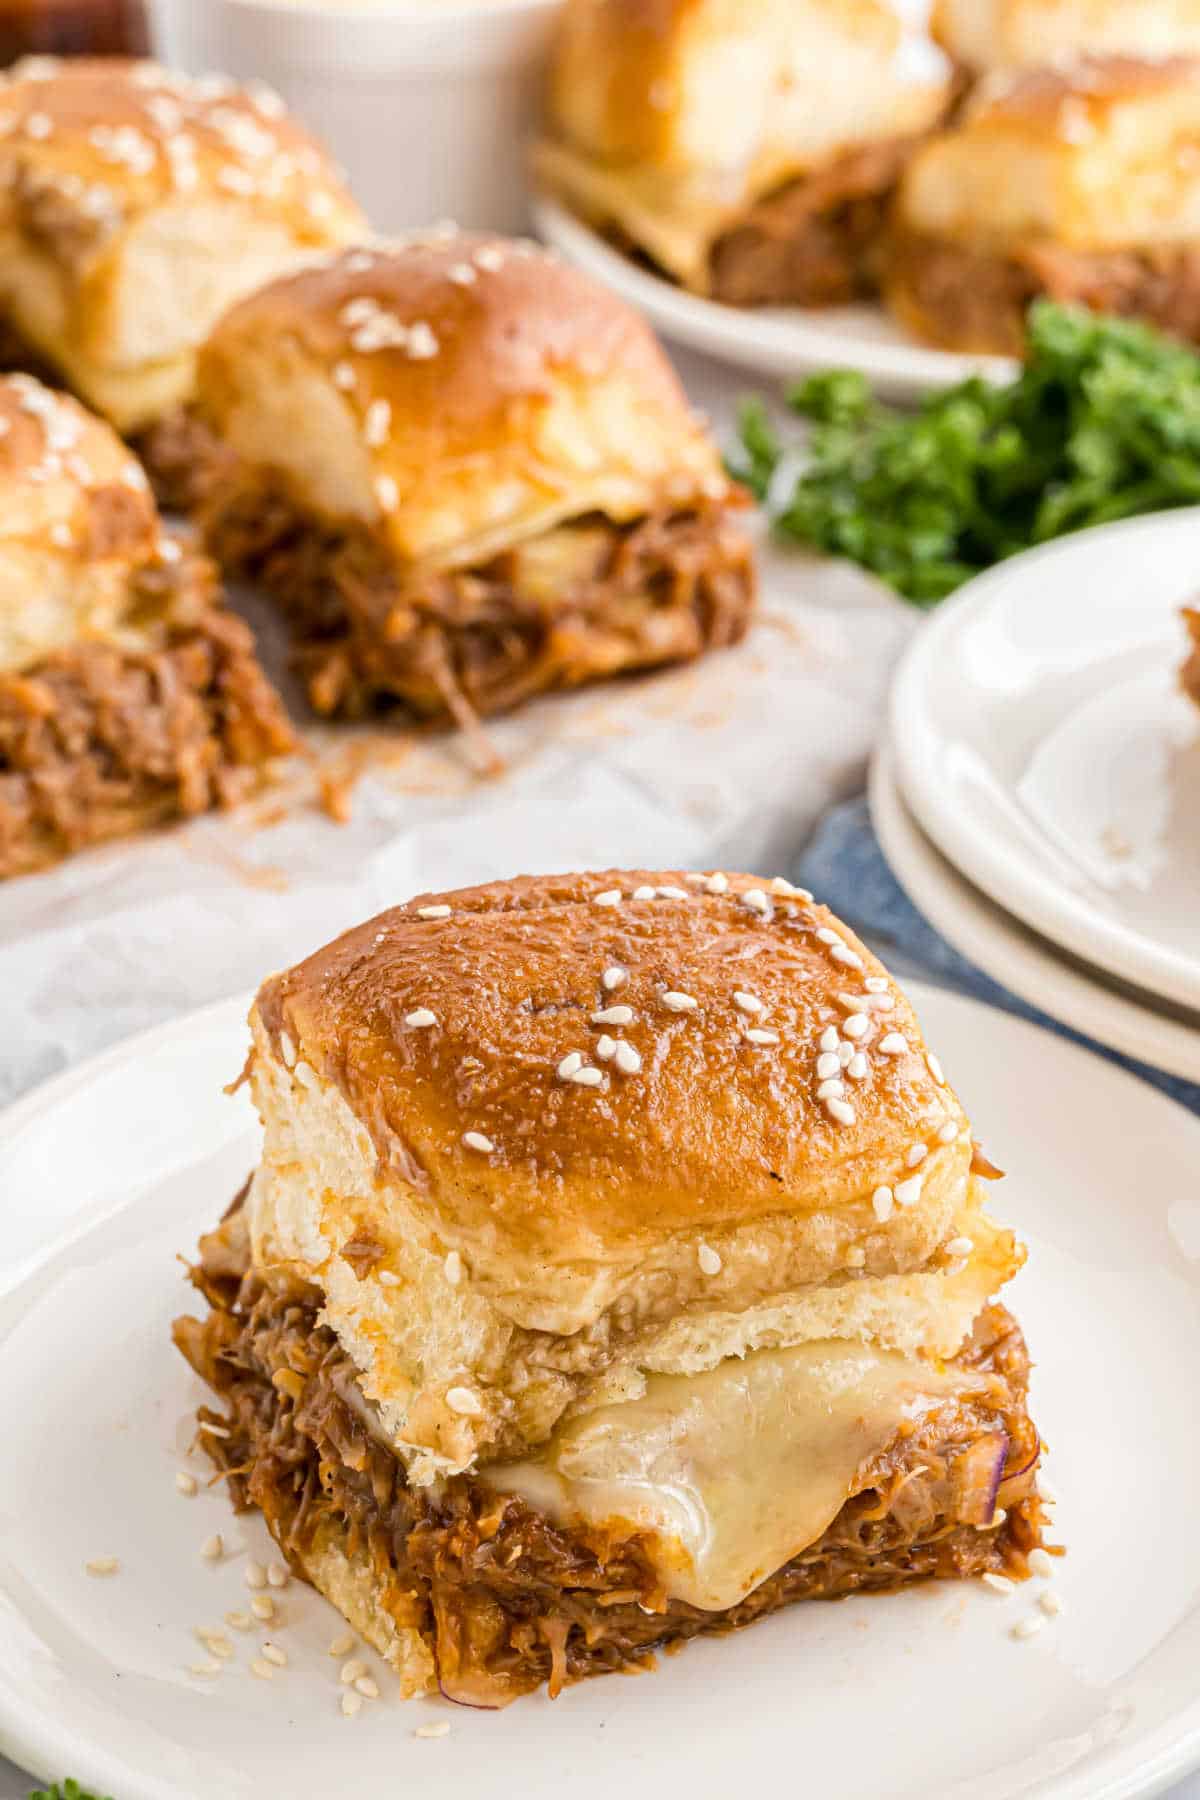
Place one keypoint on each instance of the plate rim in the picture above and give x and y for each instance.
(744, 339)
(893, 822)
(1062, 917)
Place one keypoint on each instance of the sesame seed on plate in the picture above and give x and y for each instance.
(439, 1730)
(185, 1483)
(831, 1037)
(1028, 1627)
(999, 1584)
(213, 1548)
(857, 1025)
(278, 1575)
(613, 1015)
(717, 884)
(893, 1044)
(609, 897)
(255, 1575)
(671, 893)
(263, 1607)
(453, 1268)
(747, 1003)
(614, 977)
(343, 1645)
(1052, 1603)
(677, 1002)
(948, 1132)
(882, 1201)
(239, 1621)
(827, 1065)
(858, 1067)
(916, 1153)
(959, 1246)
(710, 1262)
(756, 1035)
(909, 1192)
(368, 1687)
(351, 1704)
(352, 1672)
(840, 1110)
(216, 1643)
(466, 1404)
(935, 1068)
(1040, 1563)
(103, 1565)
(476, 1140)
(262, 1669)
(567, 1067)
(643, 893)
(433, 912)
(421, 1018)
(209, 1667)
(273, 1653)
(606, 1047)
(628, 1059)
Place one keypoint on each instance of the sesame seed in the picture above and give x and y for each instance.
(843, 954)
(614, 977)
(857, 1025)
(213, 1548)
(422, 344)
(845, 1055)
(614, 1015)
(1028, 1627)
(935, 1068)
(609, 897)
(389, 1278)
(1052, 1603)
(840, 1110)
(756, 1035)
(466, 1404)
(239, 1621)
(826, 935)
(377, 423)
(433, 912)
(475, 1140)
(909, 1192)
(831, 1037)
(387, 493)
(489, 257)
(461, 274)
(440, 1730)
(916, 1153)
(882, 1201)
(695, 879)
(255, 1575)
(588, 1077)
(351, 1705)
(855, 1257)
(185, 1483)
(453, 1268)
(343, 376)
(567, 1067)
(717, 884)
(827, 1065)
(894, 1044)
(420, 1019)
(643, 893)
(1040, 1563)
(858, 1067)
(352, 1672)
(263, 1607)
(876, 984)
(948, 1132)
(278, 1575)
(756, 900)
(999, 1584)
(781, 885)
(209, 1667)
(606, 1047)
(672, 893)
(747, 1003)
(628, 1059)
(262, 1669)
(367, 1687)
(710, 1262)
(676, 1002)
(216, 1643)
(834, 1086)
(343, 1645)
(103, 1565)
(274, 1654)
(959, 1246)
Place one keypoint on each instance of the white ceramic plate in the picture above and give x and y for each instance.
(1021, 961)
(1042, 742)
(107, 1173)
(779, 341)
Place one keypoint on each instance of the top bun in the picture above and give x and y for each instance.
(999, 34)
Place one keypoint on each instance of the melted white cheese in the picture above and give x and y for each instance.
(733, 1472)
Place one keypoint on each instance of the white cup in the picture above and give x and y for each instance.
(429, 107)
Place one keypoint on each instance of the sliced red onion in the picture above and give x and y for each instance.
(980, 1472)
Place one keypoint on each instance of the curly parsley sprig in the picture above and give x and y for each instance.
(67, 1790)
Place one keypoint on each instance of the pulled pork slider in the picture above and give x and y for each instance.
(135, 206)
(1080, 182)
(468, 475)
(616, 1270)
(996, 34)
(127, 694)
(748, 149)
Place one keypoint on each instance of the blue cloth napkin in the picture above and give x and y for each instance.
(844, 867)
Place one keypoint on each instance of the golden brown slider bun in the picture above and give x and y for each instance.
(669, 117)
(536, 1139)
(75, 515)
(458, 393)
(997, 34)
(136, 205)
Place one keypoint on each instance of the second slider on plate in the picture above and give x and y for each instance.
(616, 1270)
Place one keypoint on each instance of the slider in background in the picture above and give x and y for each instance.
(1079, 182)
(128, 695)
(468, 475)
(748, 151)
(616, 1271)
(982, 35)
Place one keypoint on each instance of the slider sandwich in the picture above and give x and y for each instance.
(749, 151)
(982, 35)
(617, 1270)
(128, 694)
(468, 475)
(1080, 182)
(135, 206)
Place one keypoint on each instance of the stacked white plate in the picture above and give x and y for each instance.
(1039, 793)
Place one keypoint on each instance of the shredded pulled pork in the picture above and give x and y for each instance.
(816, 241)
(101, 739)
(506, 1600)
(1191, 668)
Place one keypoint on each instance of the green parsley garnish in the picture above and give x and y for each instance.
(67, 1790)
(1102, 422)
